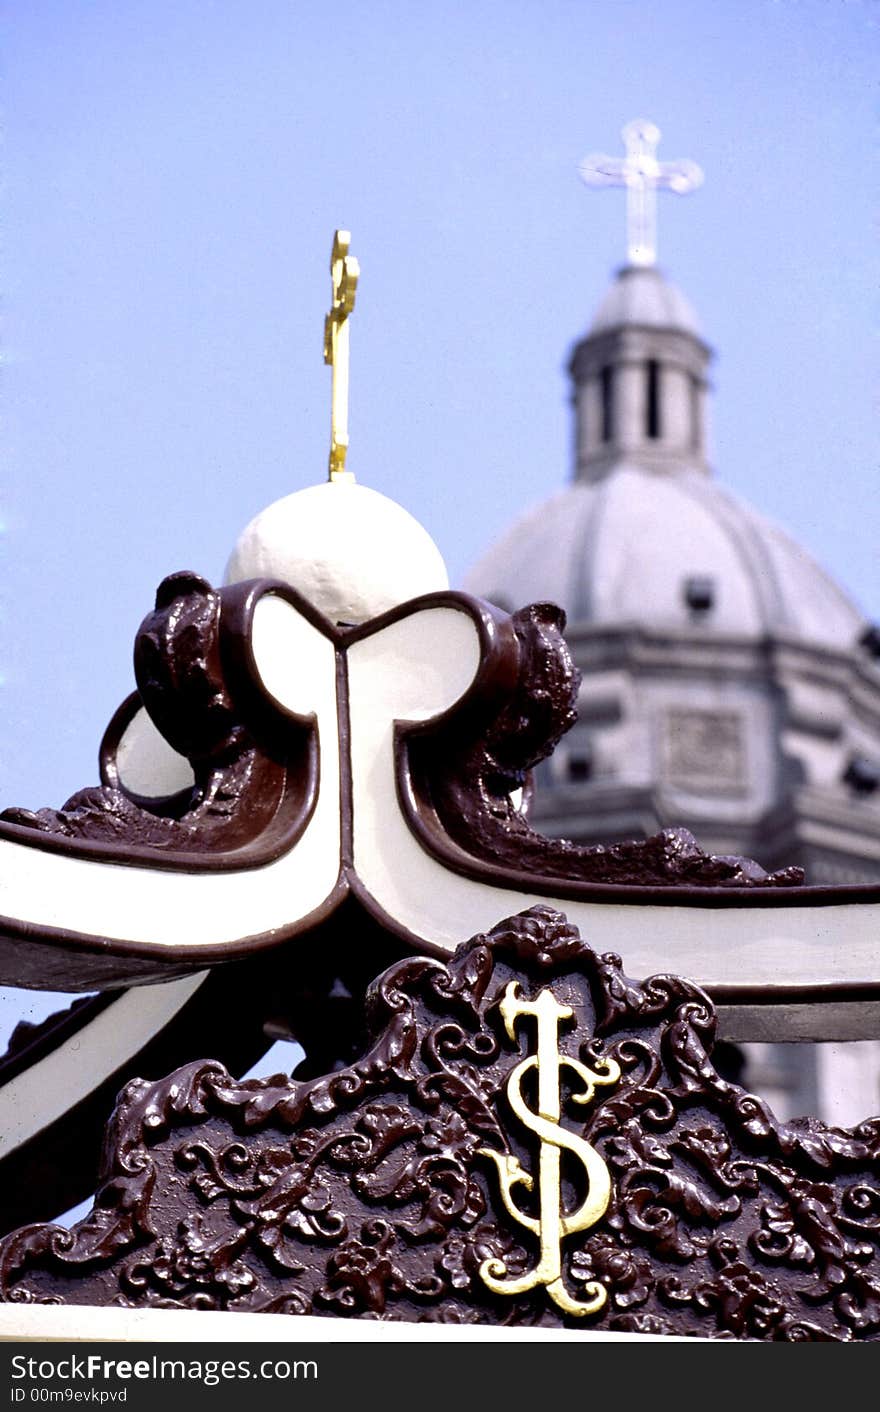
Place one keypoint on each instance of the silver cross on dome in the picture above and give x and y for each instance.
(642, 175)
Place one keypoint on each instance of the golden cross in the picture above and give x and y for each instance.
(344, 273)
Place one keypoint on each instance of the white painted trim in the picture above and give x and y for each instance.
(53, 1085)
(412, 669)
(146, 764)
(128, 902)
(87, 1324)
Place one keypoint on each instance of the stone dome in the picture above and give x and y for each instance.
(633, 547)
(645, 537)
(641, 296)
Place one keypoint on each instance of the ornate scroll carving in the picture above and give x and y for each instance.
(246, 790)
(254, 774)
(373, 1191)
(467, 778)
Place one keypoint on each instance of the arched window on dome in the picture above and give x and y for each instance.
(653, 428)
(579, 766)
(696, 427)
(606, 394)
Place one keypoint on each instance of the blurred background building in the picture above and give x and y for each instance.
(730, 685)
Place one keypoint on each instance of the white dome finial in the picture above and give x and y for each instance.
(350, 551)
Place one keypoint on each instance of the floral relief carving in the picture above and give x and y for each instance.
(370, 1192)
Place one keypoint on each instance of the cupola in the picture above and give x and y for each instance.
(640, 380)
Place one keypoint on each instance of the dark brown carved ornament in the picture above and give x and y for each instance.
(256, 778)
(252, 781)
(255, 769)
(467, 777)
(373, 1192)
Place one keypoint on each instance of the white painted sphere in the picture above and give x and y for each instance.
(350, 551)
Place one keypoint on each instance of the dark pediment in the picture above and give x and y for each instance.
(531, 1138)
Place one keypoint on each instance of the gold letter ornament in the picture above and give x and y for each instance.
(553, 1224)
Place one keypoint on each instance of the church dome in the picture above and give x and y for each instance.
(645, 537)
(665, 552)
(641, 296)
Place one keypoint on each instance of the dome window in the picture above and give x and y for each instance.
(870, 639)
(862, 775)
(606, 394)
(699, 594)
(580, 767)
(696, 429)
(653, 428)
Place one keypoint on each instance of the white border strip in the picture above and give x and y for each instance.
(87, 1324)
(53, 1085)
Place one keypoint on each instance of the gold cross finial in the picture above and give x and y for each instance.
(344, 273)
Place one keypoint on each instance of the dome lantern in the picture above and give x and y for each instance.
(640, 374)
(640, 380)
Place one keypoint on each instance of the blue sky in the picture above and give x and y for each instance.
(173, 174)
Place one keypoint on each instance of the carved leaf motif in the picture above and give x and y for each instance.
(364, 1193)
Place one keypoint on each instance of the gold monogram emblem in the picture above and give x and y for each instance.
(553, 1224)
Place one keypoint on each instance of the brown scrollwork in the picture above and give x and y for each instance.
(367, 1192)
(255, 771)
(466, 779)
(252, 787)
